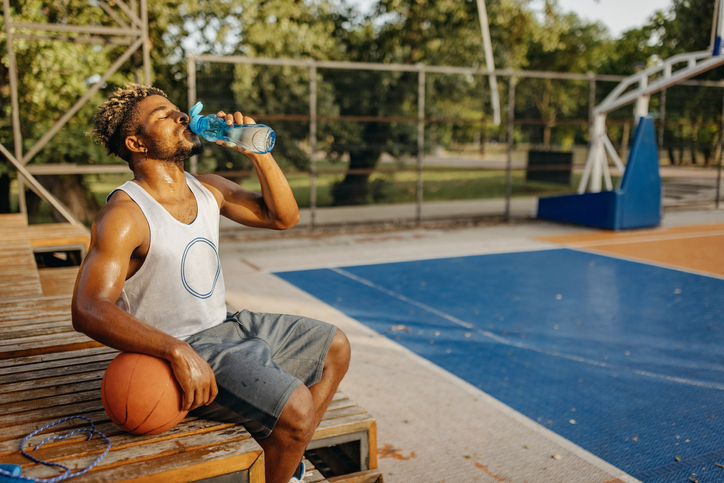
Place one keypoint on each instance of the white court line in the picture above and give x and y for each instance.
(520, 345)
(514, 415)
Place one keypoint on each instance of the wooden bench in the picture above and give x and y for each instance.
(49, 372)
(38, 390)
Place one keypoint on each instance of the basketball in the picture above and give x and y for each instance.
(140, 394)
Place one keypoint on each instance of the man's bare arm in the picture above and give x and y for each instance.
(274, 208)
(116, 234)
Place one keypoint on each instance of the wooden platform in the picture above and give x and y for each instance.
(49, 372)
(38, 390)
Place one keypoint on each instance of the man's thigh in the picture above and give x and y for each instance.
(259, 360)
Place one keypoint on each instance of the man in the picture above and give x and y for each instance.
(151, 283)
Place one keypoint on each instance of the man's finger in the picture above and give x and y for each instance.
(187, 400)
(214, 391)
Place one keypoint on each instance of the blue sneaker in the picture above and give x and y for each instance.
(298, 476)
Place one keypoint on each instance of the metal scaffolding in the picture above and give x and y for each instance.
(134, 35)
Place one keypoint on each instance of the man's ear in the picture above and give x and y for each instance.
(135, 145)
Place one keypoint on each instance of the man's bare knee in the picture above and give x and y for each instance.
(297, 419)
(339, 353)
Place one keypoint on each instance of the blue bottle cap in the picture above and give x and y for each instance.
(195, 114)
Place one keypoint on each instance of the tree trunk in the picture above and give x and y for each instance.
(71, 191)
(353, 189)
(547, 115)
(693, 142)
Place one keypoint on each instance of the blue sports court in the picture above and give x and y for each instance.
(622, 355)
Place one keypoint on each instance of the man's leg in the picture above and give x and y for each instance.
(284, 449)
(335, 367)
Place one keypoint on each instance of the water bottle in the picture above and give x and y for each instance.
(257, 138)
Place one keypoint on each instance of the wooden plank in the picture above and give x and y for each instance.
(57, 359)
(369, 476)
(9, 332)
(18, 272)
(30, 306)
(34, 341)
(45, 347)
(51, 396)
(189, 426)
(343, 413)
(178, 459)
(58, 281)
(51, 372)
(13, 220)
(349, 424)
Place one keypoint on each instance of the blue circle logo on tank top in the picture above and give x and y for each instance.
(200, 268)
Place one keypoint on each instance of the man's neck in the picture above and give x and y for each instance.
(161, 179)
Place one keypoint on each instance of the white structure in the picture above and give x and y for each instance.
(647, 82)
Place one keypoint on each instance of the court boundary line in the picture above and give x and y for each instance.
(520, 345)
(506, 410)
(330, 266)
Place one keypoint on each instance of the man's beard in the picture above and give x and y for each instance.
(175, 154)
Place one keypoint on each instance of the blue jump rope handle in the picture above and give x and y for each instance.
(14, 470)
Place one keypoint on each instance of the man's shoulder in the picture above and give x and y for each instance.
(120, 215)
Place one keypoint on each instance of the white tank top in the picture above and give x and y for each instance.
(179, 289)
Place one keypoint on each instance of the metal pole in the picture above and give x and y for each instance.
(312, 144)
(591, 107)
(662, 120)
(718, 175)
(146, 43)
(490, 65)
(38, 188)
(420, 140)
(79, 103)
(714, 25)
(191, 77)
(17, 135)
(511, 132)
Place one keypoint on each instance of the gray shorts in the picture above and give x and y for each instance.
(259, 360)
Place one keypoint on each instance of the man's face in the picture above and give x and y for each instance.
(165, 130)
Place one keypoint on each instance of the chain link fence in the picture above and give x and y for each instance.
(411, 143)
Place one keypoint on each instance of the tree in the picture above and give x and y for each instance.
(52, 75)
(446, 32)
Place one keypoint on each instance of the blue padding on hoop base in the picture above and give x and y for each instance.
(636, 203)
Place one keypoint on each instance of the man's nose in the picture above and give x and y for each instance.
(183, 118)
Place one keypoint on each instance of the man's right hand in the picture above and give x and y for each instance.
(195, 377)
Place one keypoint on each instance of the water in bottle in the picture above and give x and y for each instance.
(257, 138)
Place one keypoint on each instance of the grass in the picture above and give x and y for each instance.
(400, 186)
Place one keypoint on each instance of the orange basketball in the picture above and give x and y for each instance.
(141, 395)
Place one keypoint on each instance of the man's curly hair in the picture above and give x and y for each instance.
(117, 118)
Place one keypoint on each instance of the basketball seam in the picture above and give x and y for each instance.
(153, 408)
(128, 388)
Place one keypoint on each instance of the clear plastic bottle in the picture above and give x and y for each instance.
(257, 138)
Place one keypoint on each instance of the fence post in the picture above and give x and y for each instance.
(312, 143)
(591, 106)
(420, 139)
(662, 121)
(13, 77)
(719, 148)
(511, 132)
